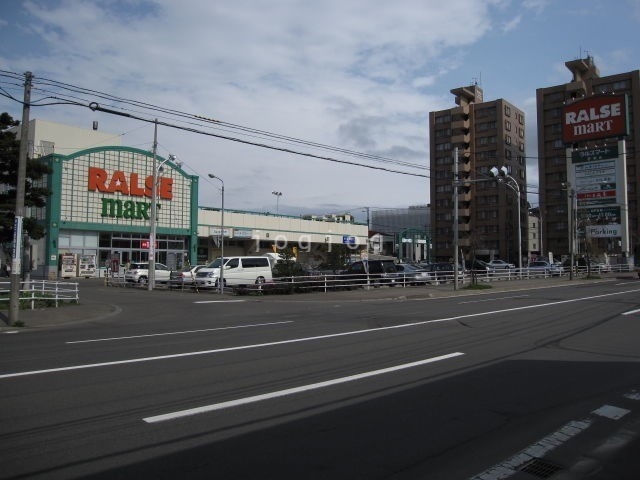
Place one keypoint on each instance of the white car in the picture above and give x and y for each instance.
(138, 272)
(501, 265)
(186, 276)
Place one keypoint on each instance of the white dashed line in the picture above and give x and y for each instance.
(291, 391)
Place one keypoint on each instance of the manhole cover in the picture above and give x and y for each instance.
(540, 468)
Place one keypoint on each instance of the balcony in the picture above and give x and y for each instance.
(464, 197)
(460, 139)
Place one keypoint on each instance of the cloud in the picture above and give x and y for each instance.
(359, 75)
(512, 24)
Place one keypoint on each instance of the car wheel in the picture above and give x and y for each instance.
(260, 280)
(142, 280)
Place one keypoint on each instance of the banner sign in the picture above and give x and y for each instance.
(601, 116)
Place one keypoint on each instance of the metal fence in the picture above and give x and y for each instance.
(326, 282)
(36, 293)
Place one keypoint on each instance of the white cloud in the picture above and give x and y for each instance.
(357, 74)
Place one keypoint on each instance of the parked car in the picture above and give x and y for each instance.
(184, 277)
(444, 271)
(542, 267)
(374, 271)
(497, 265)
(237, 271)
(480, 266)
(413, 274)
(138, 272)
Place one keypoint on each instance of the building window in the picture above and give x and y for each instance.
(507, 125)
(507, 110)
(507, 139)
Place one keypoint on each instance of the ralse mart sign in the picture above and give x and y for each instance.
(595, 117)
(100, 180)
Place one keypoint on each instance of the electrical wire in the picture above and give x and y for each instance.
(204, 122)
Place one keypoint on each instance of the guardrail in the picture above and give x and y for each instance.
(325, 282)
(37, 293)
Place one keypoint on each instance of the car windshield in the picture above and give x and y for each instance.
(216, 263)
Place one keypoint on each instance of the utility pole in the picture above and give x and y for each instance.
(16, 259)
(154, 212)
(455, 218)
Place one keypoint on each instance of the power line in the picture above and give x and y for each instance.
(64, 93)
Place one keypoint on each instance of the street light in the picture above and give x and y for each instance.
(154, 212)
(501, 174)
(221, 276)
(278, 195)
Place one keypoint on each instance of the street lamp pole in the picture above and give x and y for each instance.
(221, 276)
(503, 172)
(278, 195)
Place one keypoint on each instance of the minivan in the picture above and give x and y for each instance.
(237, 271)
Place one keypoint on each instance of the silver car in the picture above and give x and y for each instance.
(542, 267)
(138, 272)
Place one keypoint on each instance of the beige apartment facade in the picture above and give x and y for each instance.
(485, 135)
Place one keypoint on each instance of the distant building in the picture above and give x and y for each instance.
(554, 159)
(406, 231)
(487, 134)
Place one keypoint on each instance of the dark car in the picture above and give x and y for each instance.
(410, 274)
(444, 271)
(371, 271)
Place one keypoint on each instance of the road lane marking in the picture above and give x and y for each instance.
(537, 450)
(291, 391)
(611, 411)
(494, 299)
(178, 332)
(307, 339)
(220, 301)
(631, 312)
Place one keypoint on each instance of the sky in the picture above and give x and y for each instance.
(357, 76)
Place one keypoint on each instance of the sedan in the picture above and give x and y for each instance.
(413, 275)
(497, 264)
(542, 267)
(186, 276)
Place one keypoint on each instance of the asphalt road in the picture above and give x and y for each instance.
(507, 384)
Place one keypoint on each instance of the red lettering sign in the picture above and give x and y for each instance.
(595, 117)
(101, 180)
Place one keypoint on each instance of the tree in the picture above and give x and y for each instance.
(34, 196)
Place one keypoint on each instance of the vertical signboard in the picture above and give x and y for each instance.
(598, 179)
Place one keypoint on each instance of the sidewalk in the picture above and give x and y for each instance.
(99, 301)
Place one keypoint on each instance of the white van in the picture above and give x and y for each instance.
(237, 271)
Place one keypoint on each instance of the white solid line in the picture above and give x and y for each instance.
(178, 333)
(631, 312)
(292, 391)
(493, 299)
(305, 339)
(220, 301)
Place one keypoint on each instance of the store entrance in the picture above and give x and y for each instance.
(126, 248)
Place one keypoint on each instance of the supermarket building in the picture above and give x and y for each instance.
(98, 215)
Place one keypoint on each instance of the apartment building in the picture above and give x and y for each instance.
(563, 226)
(485, 134)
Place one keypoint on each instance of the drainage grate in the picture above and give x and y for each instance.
(540, 468)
